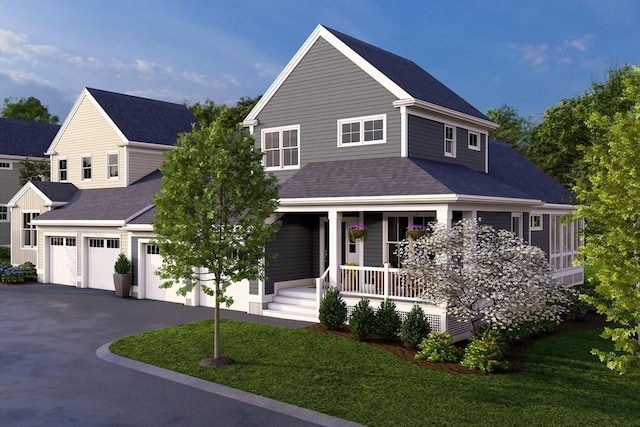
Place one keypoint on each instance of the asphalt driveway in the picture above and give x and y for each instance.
(50, 374)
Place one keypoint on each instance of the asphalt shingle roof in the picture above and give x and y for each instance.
(56, 191)
(145, 120)
(25, 138)
(409, 76)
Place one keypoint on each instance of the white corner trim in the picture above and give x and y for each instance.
(12, 203)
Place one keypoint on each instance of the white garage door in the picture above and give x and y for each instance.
(152, 282)
(101, 256)
(63, 263)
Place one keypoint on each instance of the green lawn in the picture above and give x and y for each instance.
(562, 384)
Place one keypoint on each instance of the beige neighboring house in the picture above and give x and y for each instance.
(19, 140)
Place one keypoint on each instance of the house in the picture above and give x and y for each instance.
(19, 140)
(358, 135)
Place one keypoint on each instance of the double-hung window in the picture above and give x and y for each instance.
(112, 165)
(449, 141)
(86, 167)
(362, 130)
(474, 141)
(4, 213)
(535, 222)
(62, 170)
(29, 233)
(281, 147)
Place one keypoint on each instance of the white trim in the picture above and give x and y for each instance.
(86, 222)
(65, 158)
(540, 225)
(404, 132)
(7, 213)
(82, 167)
(453, 138)
(9, 164)
(31, 223)
(14, 158)
(29, 185)
(109, 177)
(281, 148)
(519, 217)
(361, 121)
(146, 145)
(478, 146)
(412, 102)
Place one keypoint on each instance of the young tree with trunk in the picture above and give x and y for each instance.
(483, 274)
(215, 214)
(609, 196)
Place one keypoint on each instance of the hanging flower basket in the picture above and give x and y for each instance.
(416, 231)
(357, 232)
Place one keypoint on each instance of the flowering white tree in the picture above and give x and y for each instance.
(480, 272)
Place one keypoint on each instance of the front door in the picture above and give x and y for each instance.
(352, 247)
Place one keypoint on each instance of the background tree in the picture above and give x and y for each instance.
(208, 111)
(214, 214)
(514, 130)
(556, 142)
(30, 109)
(34, 170)
(609, 195)
(480, 272)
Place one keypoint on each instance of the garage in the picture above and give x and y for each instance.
(152, 261)
(63, 264)
(101, 256)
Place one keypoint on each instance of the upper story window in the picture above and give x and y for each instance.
(474, 141)
(281, 147)
(29, 233)
(362, 130)
(86, 168)
(112, 165)
(62, 170)
(6, 165)
(449, 141)
(4, 213)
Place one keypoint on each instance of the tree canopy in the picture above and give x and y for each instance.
(556, 143)
(514, 130)
(208, 111)
(609, 196)
(34, 170)
(30, 109)
(214, 212)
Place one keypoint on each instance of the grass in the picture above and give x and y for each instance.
(562, 384)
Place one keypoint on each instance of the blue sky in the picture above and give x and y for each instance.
(525, 53)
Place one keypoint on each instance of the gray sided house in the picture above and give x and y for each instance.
(358, 135)
(19, 140)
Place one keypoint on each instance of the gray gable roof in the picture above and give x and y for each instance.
(409, 76)
(510, 176)
(25, 138)
(145, 120)
(108, 204)
(56, 191)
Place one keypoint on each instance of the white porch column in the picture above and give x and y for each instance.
(335, 239)
(443, 215)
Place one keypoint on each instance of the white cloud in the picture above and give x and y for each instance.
(581, 44)
(537, 56)
(267, 69)
(15, 45)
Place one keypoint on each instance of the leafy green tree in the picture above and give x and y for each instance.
(30, 109)
(208, 111)
(514, 130)
(214, 214)
(34, 170)
(556, 143)
(609, 196)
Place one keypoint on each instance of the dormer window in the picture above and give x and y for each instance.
(112, 165)
(62, 170)
(449, 141)
(362, 130)
(86, 168)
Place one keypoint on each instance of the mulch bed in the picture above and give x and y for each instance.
(515, 357)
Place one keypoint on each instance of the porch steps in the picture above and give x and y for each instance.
(294, 304)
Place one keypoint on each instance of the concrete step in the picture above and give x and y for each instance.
(306, 302)
(289, 315)
(302, 293)
(305, 311)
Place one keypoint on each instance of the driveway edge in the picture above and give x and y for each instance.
(242, 396)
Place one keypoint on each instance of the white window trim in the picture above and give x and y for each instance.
(67, 169)
(6, 168)
(22, 229)
(478, 140)
(8, 211)
(109, 177)
(539, 227)
(82, 157)
(361, 120)
(452, 154)
(280, 149)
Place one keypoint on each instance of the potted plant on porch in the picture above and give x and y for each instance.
(357, 232)
(122, 276)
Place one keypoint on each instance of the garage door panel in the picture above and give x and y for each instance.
(101, 256)
(152, 261)
(63, 264)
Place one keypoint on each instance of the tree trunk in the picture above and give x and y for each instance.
(216, 324)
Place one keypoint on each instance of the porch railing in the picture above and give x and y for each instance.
(384, 282)
(322, 284)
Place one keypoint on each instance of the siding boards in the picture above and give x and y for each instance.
(498, 220)
(541, 238)
(9, 182)
(323, 88)
(142, 163)
(373, 243)
(426, 141)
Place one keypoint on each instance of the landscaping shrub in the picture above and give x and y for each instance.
(5, 255)
(388, 321)
(29, 271)
(333, 309)
(486, 352)
(9, 274)
(362, 322)
(438, 347)
(415, 328)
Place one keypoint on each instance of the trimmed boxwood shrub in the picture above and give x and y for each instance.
(29, 271)
(333, 309)
(415, 328)
(362, 322)
(387, 321)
